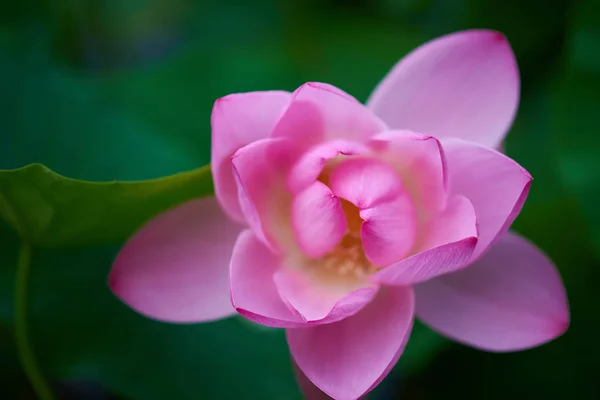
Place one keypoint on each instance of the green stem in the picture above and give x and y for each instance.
(26, 356)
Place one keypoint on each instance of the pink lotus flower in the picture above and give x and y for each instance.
(342, 222)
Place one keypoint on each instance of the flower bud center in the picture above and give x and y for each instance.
(347, 258)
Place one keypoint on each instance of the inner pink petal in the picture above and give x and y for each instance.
(320, 112)
(318, 220)
(365, 182)
(260, 169)
(458, 221)
(320, 303)
(310, 165)
(238, 120)
(421, 162)
(444, 245)
(389, 229)
(252, 290)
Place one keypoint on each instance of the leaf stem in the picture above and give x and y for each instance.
(26, 355)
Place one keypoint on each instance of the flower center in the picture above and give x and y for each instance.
(347, 259)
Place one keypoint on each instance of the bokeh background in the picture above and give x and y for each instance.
(123, 89)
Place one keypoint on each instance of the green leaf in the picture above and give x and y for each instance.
(50, 210)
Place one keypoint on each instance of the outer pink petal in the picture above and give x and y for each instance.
(496, 186)
(318, 220)
(348, 358)
(310, 165)
(238, 120)
(320, 112)
(317, 303)
(260, 170)
(252, 289)
(511, 299)
(463, 85)
(175, 268)
(421, 163)
(446, 246)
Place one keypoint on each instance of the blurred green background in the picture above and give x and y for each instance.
(109, 90)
